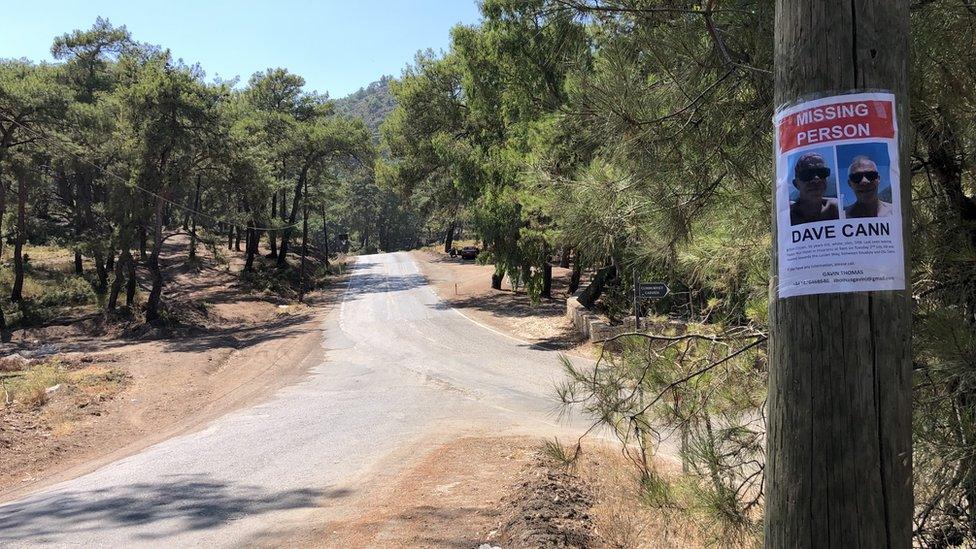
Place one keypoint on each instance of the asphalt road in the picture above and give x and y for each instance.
(399, 367)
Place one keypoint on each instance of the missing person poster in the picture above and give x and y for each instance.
(838, 210)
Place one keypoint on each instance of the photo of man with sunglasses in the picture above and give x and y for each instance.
(811, 175)
(864, 179)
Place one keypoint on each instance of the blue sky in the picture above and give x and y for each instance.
(338, 46)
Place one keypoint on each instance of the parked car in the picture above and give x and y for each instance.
(469, 252)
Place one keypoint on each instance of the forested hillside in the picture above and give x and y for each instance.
(635, 137)
(372, 104)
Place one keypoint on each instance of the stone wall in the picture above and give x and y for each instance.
(597, 327)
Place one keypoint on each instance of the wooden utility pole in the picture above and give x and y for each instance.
(838, 467)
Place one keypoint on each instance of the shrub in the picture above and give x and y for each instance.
(70, 290)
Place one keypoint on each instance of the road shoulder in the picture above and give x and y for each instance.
(466, 286)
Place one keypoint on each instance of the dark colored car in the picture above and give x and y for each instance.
(469, 252)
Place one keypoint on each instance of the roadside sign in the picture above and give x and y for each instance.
(651, 290)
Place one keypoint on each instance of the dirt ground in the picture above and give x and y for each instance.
(447, 498)
(233, 347)
(467, 287)
(501, 492)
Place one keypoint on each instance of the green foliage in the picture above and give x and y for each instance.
(704, 389)
(119, 145)
(71, 290)
(372, 104)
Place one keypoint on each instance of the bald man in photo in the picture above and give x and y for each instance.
(864, 179)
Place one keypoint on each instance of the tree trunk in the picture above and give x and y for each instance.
(3, 210)
(130, 280)
(237, 240)
(251, 248)
(546, 281)
(839, 454)
(79, 223)
(230, 236)
(192, 218)
(325, 238)
(122, 264)
(272, 235)
(143, 238)
(593, 292)
(186, 217)
(564, 259)
(116, 288)
(496, 280)
(574, 280)
(301, 269)
(155, 294)
(449, 237)
(100, 272)
(283, 214)
(16, 293)
(286, 235)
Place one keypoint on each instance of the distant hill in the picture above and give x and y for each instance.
(372, 103)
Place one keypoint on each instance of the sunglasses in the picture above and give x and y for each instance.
(857, 176)
(806, 174)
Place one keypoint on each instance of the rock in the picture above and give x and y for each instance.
(47, 349)
(13, 362)
(54, 389)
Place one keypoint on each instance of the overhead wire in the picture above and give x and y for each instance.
(131, 184)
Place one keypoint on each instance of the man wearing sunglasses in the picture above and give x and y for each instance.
(863, 177)
(810, 178)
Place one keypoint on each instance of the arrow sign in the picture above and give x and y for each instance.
(651, 290)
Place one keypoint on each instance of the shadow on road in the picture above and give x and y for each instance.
(377, 283)
(190, 502)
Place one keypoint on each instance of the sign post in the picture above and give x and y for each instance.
(838, 464)
(636, 303)
(646, 290)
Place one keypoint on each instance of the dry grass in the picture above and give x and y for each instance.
(86, 388)
(625, 515)
(29, 387)
(87, 385)
(96, 382)
(624, 519)
(51, 256)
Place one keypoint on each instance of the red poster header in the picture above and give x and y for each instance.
(836, 122)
